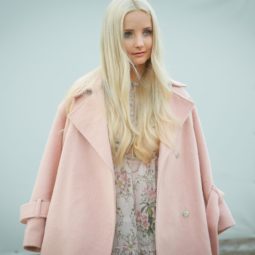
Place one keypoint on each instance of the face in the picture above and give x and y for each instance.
(137, 37)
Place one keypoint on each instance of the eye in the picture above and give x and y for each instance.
(148, 31)
(127, 34)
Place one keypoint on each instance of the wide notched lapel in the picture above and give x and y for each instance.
(181, 107)
(89, 117)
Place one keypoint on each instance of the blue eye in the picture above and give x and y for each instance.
(127, 34)
(148, 31)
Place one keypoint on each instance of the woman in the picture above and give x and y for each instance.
(126, 169)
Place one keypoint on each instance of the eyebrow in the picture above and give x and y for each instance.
(128, 29)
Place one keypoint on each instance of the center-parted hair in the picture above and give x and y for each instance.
(155, 122)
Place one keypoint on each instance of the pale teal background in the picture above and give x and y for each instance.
(46, 45)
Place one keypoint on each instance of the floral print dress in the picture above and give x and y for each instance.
(135, 202)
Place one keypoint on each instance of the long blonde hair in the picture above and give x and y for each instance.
(155, 121)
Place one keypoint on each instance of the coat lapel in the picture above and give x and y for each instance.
(89, 117)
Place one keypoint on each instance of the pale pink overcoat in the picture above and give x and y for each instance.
(72, 207)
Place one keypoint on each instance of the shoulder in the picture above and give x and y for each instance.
(88, 79)
(80, 88)
(85, 84)
(180, 89)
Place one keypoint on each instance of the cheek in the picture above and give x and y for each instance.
(127, 47)
(149, 44)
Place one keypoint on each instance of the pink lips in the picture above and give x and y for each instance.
(139, 53)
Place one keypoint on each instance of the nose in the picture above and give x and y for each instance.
(139, 41)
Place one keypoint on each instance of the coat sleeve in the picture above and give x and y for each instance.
(219, 217)
(34, 212)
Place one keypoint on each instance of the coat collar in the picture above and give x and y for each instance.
(89, 117)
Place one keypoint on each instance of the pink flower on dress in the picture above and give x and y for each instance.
(144, 223)
(139, 217)
(121, 179)
(151, 193)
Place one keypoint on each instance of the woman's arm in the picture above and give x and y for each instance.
(219, 217)
(34, 213)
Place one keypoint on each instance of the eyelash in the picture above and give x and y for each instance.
(127, 34)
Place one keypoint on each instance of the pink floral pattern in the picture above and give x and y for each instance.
(135, 204)
(136, 208)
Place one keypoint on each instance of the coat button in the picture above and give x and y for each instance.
(185, 213)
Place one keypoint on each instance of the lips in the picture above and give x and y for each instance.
(139, 53)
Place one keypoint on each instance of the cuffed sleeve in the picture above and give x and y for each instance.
(34, 234)
(34, 209)
(219, 217)
(34, 212)
(225, 219)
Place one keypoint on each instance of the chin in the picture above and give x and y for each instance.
(140, 62)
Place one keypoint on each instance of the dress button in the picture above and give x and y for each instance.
(177, 154)
(185, 213)
(88, 91)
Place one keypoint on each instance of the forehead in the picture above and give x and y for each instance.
(137, 19)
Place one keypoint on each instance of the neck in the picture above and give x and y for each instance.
(133, 76)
